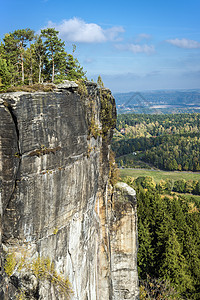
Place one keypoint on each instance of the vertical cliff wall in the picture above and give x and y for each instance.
(55, 200)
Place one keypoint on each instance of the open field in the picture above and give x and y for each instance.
(158, 174)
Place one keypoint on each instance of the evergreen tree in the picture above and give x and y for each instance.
(174, 265)
(168, 235)
(196, 190)
(55, 52)
(145, 252)
(5, 75)
(43, 60)
(29, 64)
(22, 38)
(14, 48)
(74, 71)
(11, 54)
(40, 57)
(100, 82)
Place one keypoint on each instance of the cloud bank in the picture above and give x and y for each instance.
(184, 43)
(77, 30)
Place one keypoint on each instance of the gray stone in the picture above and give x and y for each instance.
(55, 199)
(66, 84)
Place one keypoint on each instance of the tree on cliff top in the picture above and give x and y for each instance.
(55, 52)
(74, 71)
(5, 75)
(40, 56)
(23, 37)
(14, 48)
(100, 82)
(45, 59)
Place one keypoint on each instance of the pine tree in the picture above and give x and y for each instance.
(22, 38)
(196, 190)
(14, 48)
(74, 71)
(145, 251)
(11, 54)
(174, 266)
(100, 82)
(55, 51)
(40, 57)
(5, 75)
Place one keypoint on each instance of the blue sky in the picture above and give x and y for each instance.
(134, 45)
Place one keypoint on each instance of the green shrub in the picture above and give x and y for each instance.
(43, 269)
(10, 264)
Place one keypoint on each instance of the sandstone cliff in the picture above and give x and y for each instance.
(55, 198)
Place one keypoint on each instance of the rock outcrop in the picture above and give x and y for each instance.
(55, 200)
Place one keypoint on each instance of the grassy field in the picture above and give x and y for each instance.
(158, 175)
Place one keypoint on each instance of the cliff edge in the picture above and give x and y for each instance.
(64, 232)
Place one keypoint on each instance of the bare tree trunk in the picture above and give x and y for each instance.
(53, 68)
(40, 70)
(31, 75)
(22, 64)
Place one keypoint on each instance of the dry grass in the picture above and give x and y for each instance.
(32, 88)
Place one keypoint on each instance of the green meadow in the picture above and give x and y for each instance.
(158, 174)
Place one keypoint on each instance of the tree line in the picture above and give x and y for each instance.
(146, 125)
(167, 186)
(179, 186)
(168, 142)
(27, 58)
(168, 236)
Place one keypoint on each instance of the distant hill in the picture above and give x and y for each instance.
(159, 101)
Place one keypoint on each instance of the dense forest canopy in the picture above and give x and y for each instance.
(169, 241)
(169, 142)
(155, 125)
(168, 210)
(26, 58)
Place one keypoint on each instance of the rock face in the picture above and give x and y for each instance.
(123, 236)
(55, 199)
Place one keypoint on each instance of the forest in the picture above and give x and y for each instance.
(168, 209)
(28, 59)
(168, 142)
(168, 239)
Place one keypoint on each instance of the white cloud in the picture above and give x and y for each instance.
(136, 48)
(112, 33)
(143, 36)
(77, 30)
(184, 43)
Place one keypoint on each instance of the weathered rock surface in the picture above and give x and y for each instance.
(55, 200)
(123, 239)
